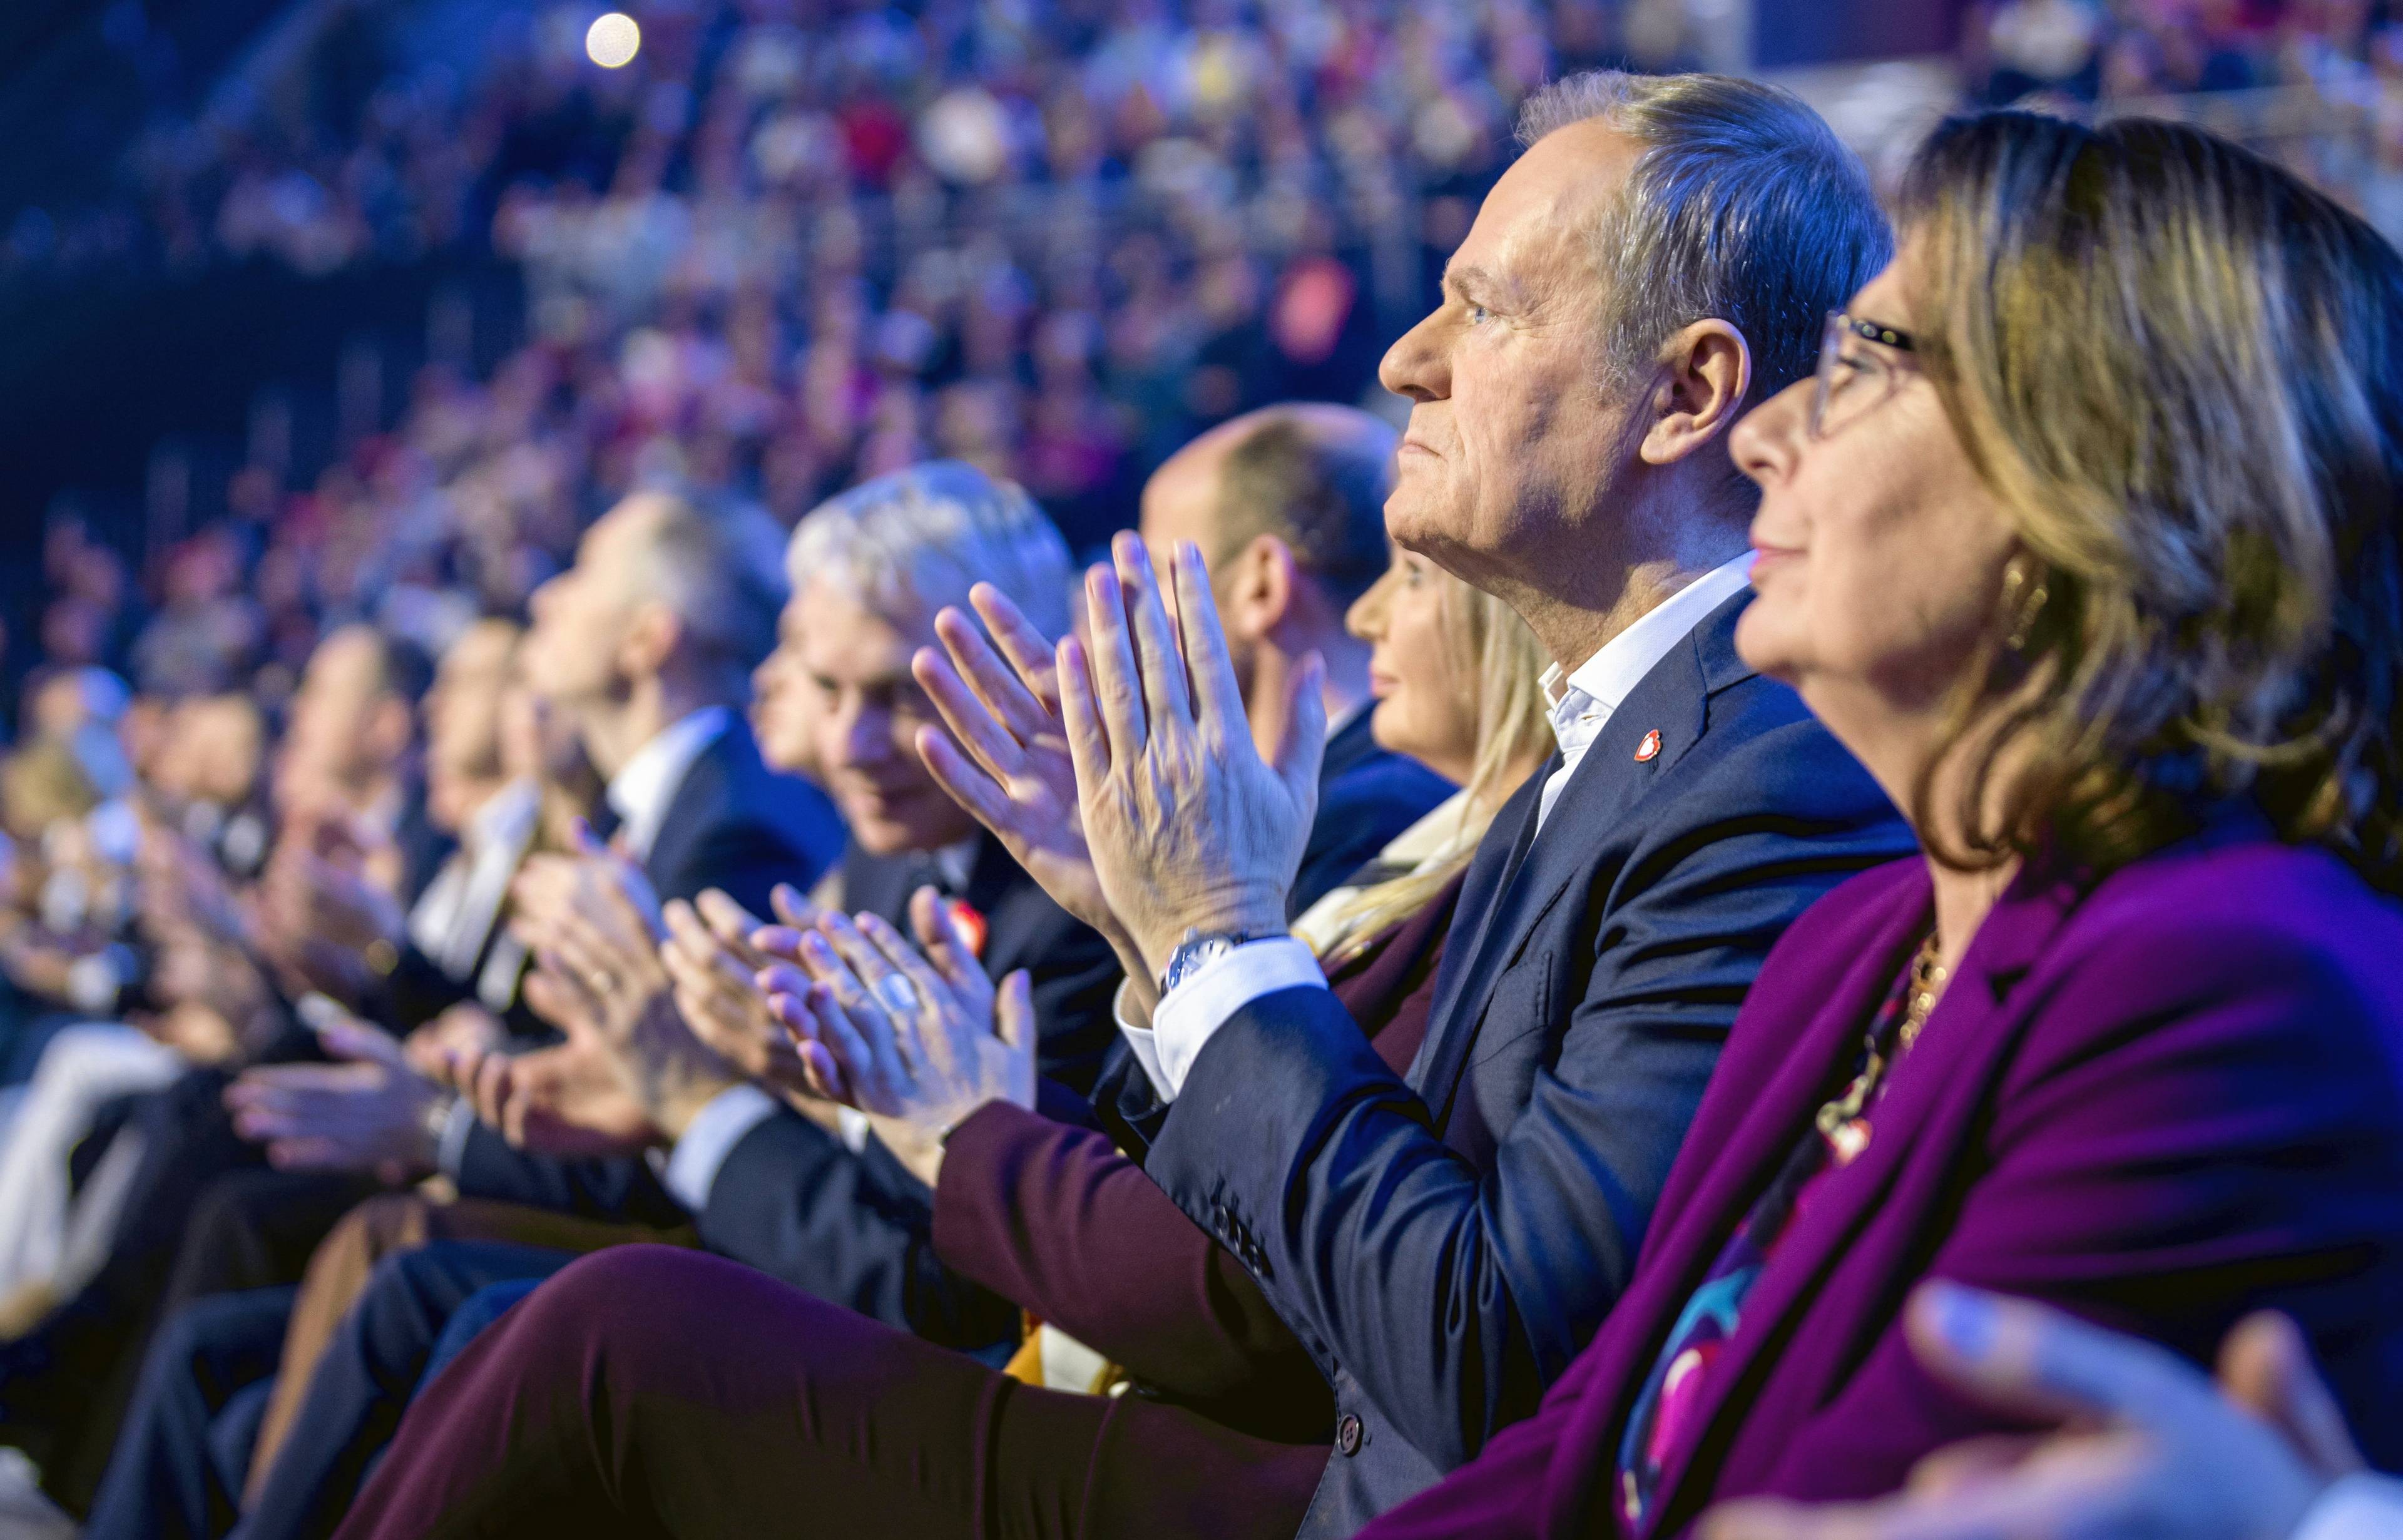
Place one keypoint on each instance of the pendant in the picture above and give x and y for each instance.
(1850, 1138)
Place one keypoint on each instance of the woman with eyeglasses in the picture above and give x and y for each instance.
(2084, 540)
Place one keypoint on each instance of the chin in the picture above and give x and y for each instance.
(1765, 639)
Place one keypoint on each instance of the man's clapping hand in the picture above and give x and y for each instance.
(916, 1041)
(365, 1114)
(1191, 829)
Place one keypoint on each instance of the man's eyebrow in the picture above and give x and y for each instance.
(1461, 282)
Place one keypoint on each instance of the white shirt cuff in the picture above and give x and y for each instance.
(450, 1148)
(1143, 1042)
(1186, 1016)
(2362, 1506)
(710, 1138)
(851, 1127)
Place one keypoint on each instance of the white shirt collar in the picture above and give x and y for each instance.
(643, 786)
(1581, 702)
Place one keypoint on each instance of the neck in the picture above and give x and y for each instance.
(614, 734)
(376, 791)
(1895, 744)
(1572, 631)
(1273, 666)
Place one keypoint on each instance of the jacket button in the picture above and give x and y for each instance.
(1347, 1434)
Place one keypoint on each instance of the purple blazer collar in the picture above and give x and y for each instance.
(1762, 1100)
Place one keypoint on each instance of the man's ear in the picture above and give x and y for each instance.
(1698, 391)
(1258, 592)
(652, 636)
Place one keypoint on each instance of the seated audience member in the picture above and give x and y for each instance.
(1493, 1193)
(786, 1189)
(2128, 1040)
(1047, 1214)
(2155, 1448)
(646, 645)
(347, 759)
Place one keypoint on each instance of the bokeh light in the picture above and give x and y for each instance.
(614, 40)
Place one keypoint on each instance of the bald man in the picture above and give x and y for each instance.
(1287, 504)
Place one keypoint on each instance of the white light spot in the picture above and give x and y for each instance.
(614, 40)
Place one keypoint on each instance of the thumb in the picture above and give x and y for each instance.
(2266, 1366)
(1013, 1018)
(1304, 743)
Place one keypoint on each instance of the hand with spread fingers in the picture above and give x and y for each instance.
(714, 965)
(569, 1099)
(367, 1113)
(1191, 829)
(917, 1042)
(1004, 757)
(2151, 1447)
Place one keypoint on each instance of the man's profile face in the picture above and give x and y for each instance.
(1510, 429)
(328, 737)
(579, 617)
(869, 712)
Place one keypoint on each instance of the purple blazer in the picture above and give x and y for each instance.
(2161, 1102)
(1054, 1218)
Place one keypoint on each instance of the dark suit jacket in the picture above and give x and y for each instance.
(2161, 1103)
(1493, 1198)
(1052, 1217)
(735, 824)
(856, 1229)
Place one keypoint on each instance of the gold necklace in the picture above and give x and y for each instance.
(1841, 1122)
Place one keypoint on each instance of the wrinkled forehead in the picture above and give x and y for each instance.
(1534, 228)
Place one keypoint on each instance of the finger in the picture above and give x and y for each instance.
(1013, 1018)
(1168, 696)
(1089, 745)
(1302, 744)
(2266, 1366)
(1116, 681)
(948, 951)
(1029, 650)
(2029, 1359)
(1957, 1466)
(1217, 695)
(1771, 1519)
(775, 943)
(363, 1044)
(726, 920)
(931, 989)
(971, 785)
(987, 734)
(791, 907)
(995, 682)
(850, 1038)
(310, 1153)
(493, 1087)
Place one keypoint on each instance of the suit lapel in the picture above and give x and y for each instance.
(1954, 1058)
(1620, 769)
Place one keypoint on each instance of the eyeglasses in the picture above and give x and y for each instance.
(1851, 384)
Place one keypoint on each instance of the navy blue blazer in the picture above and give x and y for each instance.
(1367, 796)
(734, 825)
(1443, 1245)
(857, 1229)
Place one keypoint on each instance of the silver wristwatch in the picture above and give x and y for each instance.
(1200, 947)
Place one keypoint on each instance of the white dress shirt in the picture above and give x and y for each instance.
(644, 786)
(454, 917)
(1187, 1015)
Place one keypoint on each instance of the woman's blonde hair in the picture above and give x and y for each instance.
(1497, 657)
(2181, 370)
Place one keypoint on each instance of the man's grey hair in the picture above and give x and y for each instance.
(719, 565)
(910, 542)
(1743, 206)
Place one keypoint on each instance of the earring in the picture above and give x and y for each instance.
(2021, 606)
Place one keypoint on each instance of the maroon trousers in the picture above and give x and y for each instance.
(653, 1391)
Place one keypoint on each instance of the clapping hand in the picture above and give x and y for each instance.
(1189, 828)
(916, 1041)
(365, 1114)
(2152, 1447)
(714, 957)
